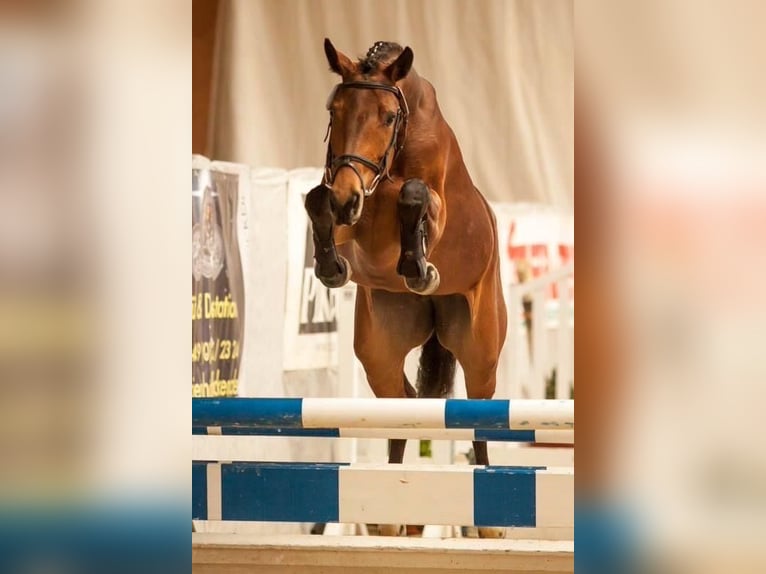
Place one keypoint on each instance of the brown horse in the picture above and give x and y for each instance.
(398, 214)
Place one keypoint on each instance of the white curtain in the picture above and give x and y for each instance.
(503, 71)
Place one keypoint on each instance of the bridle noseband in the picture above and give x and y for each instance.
(333, 164)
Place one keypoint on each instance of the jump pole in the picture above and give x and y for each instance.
(322, 413)
(537, 497)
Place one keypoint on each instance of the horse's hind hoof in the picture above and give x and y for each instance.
(427, 286)
(340, 278)
(390, 529)
(488, 532)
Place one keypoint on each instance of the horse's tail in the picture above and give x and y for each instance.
(436, 372)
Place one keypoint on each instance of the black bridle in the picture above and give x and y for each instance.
(381, 169)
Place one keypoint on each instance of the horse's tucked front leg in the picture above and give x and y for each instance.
(332, 269)
(420, 276)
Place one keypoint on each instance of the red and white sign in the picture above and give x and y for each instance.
(535, 240)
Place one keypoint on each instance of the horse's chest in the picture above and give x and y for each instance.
(373, 260)
(380, 256)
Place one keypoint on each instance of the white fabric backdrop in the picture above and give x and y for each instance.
(503, 71)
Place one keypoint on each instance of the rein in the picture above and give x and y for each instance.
(381, 169)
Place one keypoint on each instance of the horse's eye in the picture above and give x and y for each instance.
(390, 119)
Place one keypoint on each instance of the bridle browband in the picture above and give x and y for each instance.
(333, 164)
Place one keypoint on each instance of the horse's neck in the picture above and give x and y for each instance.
(415, 89)
(427, 132)
(421, 99)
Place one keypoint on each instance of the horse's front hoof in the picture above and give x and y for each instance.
(427, 286)
(390, 529)
(489, 532)
(340, 278)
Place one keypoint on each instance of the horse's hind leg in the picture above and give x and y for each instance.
(420, 276)
(332, 269)
(476, 343)
(387, 327)
(396, 446)
(480, 379)
(396, 449)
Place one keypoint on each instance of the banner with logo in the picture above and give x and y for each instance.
(310, 308)
(217, 281)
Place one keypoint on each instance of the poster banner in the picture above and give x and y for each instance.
(311, 328)
(243, 219)
(217, 281)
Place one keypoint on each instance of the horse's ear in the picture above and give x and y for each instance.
(339, 62)
(400, 67)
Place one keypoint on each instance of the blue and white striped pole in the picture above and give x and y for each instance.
(339, 413)
(398, 494)
(493, 435)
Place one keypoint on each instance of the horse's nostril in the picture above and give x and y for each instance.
(346, 212)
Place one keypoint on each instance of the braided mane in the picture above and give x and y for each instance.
(379, 52)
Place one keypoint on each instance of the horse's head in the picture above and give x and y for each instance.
(368, 115)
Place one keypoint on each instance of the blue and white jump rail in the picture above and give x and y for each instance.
(382, 493)
(339, 413)
(492, 435)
